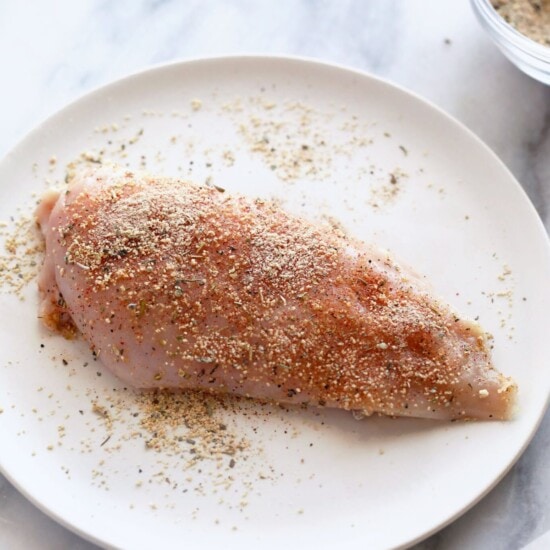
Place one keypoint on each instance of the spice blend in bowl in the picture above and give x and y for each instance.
(521, 29)
(530, 17)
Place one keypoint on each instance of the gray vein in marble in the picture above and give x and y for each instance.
(154, 5)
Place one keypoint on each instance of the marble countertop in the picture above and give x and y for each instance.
(62, 49)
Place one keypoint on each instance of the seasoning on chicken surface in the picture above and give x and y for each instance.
(180, 286)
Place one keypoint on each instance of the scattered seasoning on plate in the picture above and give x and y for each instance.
(21, 256)
(196, 104)
(191, 435)
(529, 17)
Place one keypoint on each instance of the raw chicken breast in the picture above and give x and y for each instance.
(180, 286)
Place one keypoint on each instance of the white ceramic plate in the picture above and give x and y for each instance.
(322, 480)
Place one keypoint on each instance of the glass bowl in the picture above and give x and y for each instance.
(529, 56)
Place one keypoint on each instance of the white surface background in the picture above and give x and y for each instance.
(52, 52)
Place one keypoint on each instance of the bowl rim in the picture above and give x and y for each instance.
(509, 33)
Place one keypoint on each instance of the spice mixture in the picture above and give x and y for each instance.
(21, 257)
(529, 17)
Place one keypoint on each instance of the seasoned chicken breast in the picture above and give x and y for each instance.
(175, 285)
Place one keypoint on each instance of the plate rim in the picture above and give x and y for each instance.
(323, 64)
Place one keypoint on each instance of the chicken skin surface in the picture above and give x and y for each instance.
(176, 285)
